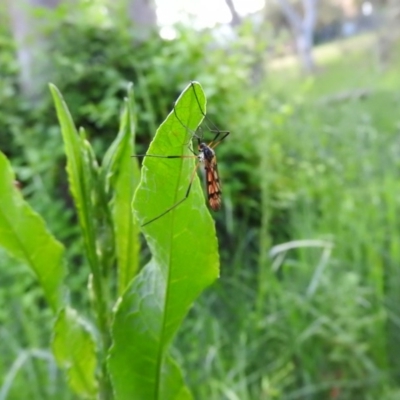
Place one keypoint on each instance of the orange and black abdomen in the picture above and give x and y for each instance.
(213, 184)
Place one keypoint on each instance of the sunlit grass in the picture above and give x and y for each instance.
(342, 66)
(327, 52)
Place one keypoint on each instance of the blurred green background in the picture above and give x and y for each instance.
(308, 303)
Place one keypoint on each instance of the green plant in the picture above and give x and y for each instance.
(122, 348)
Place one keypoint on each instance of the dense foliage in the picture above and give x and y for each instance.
(301, 163)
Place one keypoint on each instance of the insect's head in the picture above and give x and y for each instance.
(202, 146)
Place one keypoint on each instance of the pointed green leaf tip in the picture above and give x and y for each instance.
(121, 175)
(185, 261)
(81, 173)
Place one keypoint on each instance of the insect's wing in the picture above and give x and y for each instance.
(213, 184)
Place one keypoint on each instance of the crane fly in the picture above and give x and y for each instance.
(206, 157)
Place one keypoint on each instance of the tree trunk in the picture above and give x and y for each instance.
(303, 30)
(304, 50)
(388, 34)
(236, 20)
(143, 16)
(30, 42)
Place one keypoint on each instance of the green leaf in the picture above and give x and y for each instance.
(121, 176)
(75, 350)
(23, 233)
(172, 383)
(138, 364)
(185, 260)
(89, 197)
(79, 183)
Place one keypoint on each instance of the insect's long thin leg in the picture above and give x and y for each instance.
(204, 114)
(198, 101)
(180, 201)
(216, 142)
(217, 133)
(193, 133)
(153, 155)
